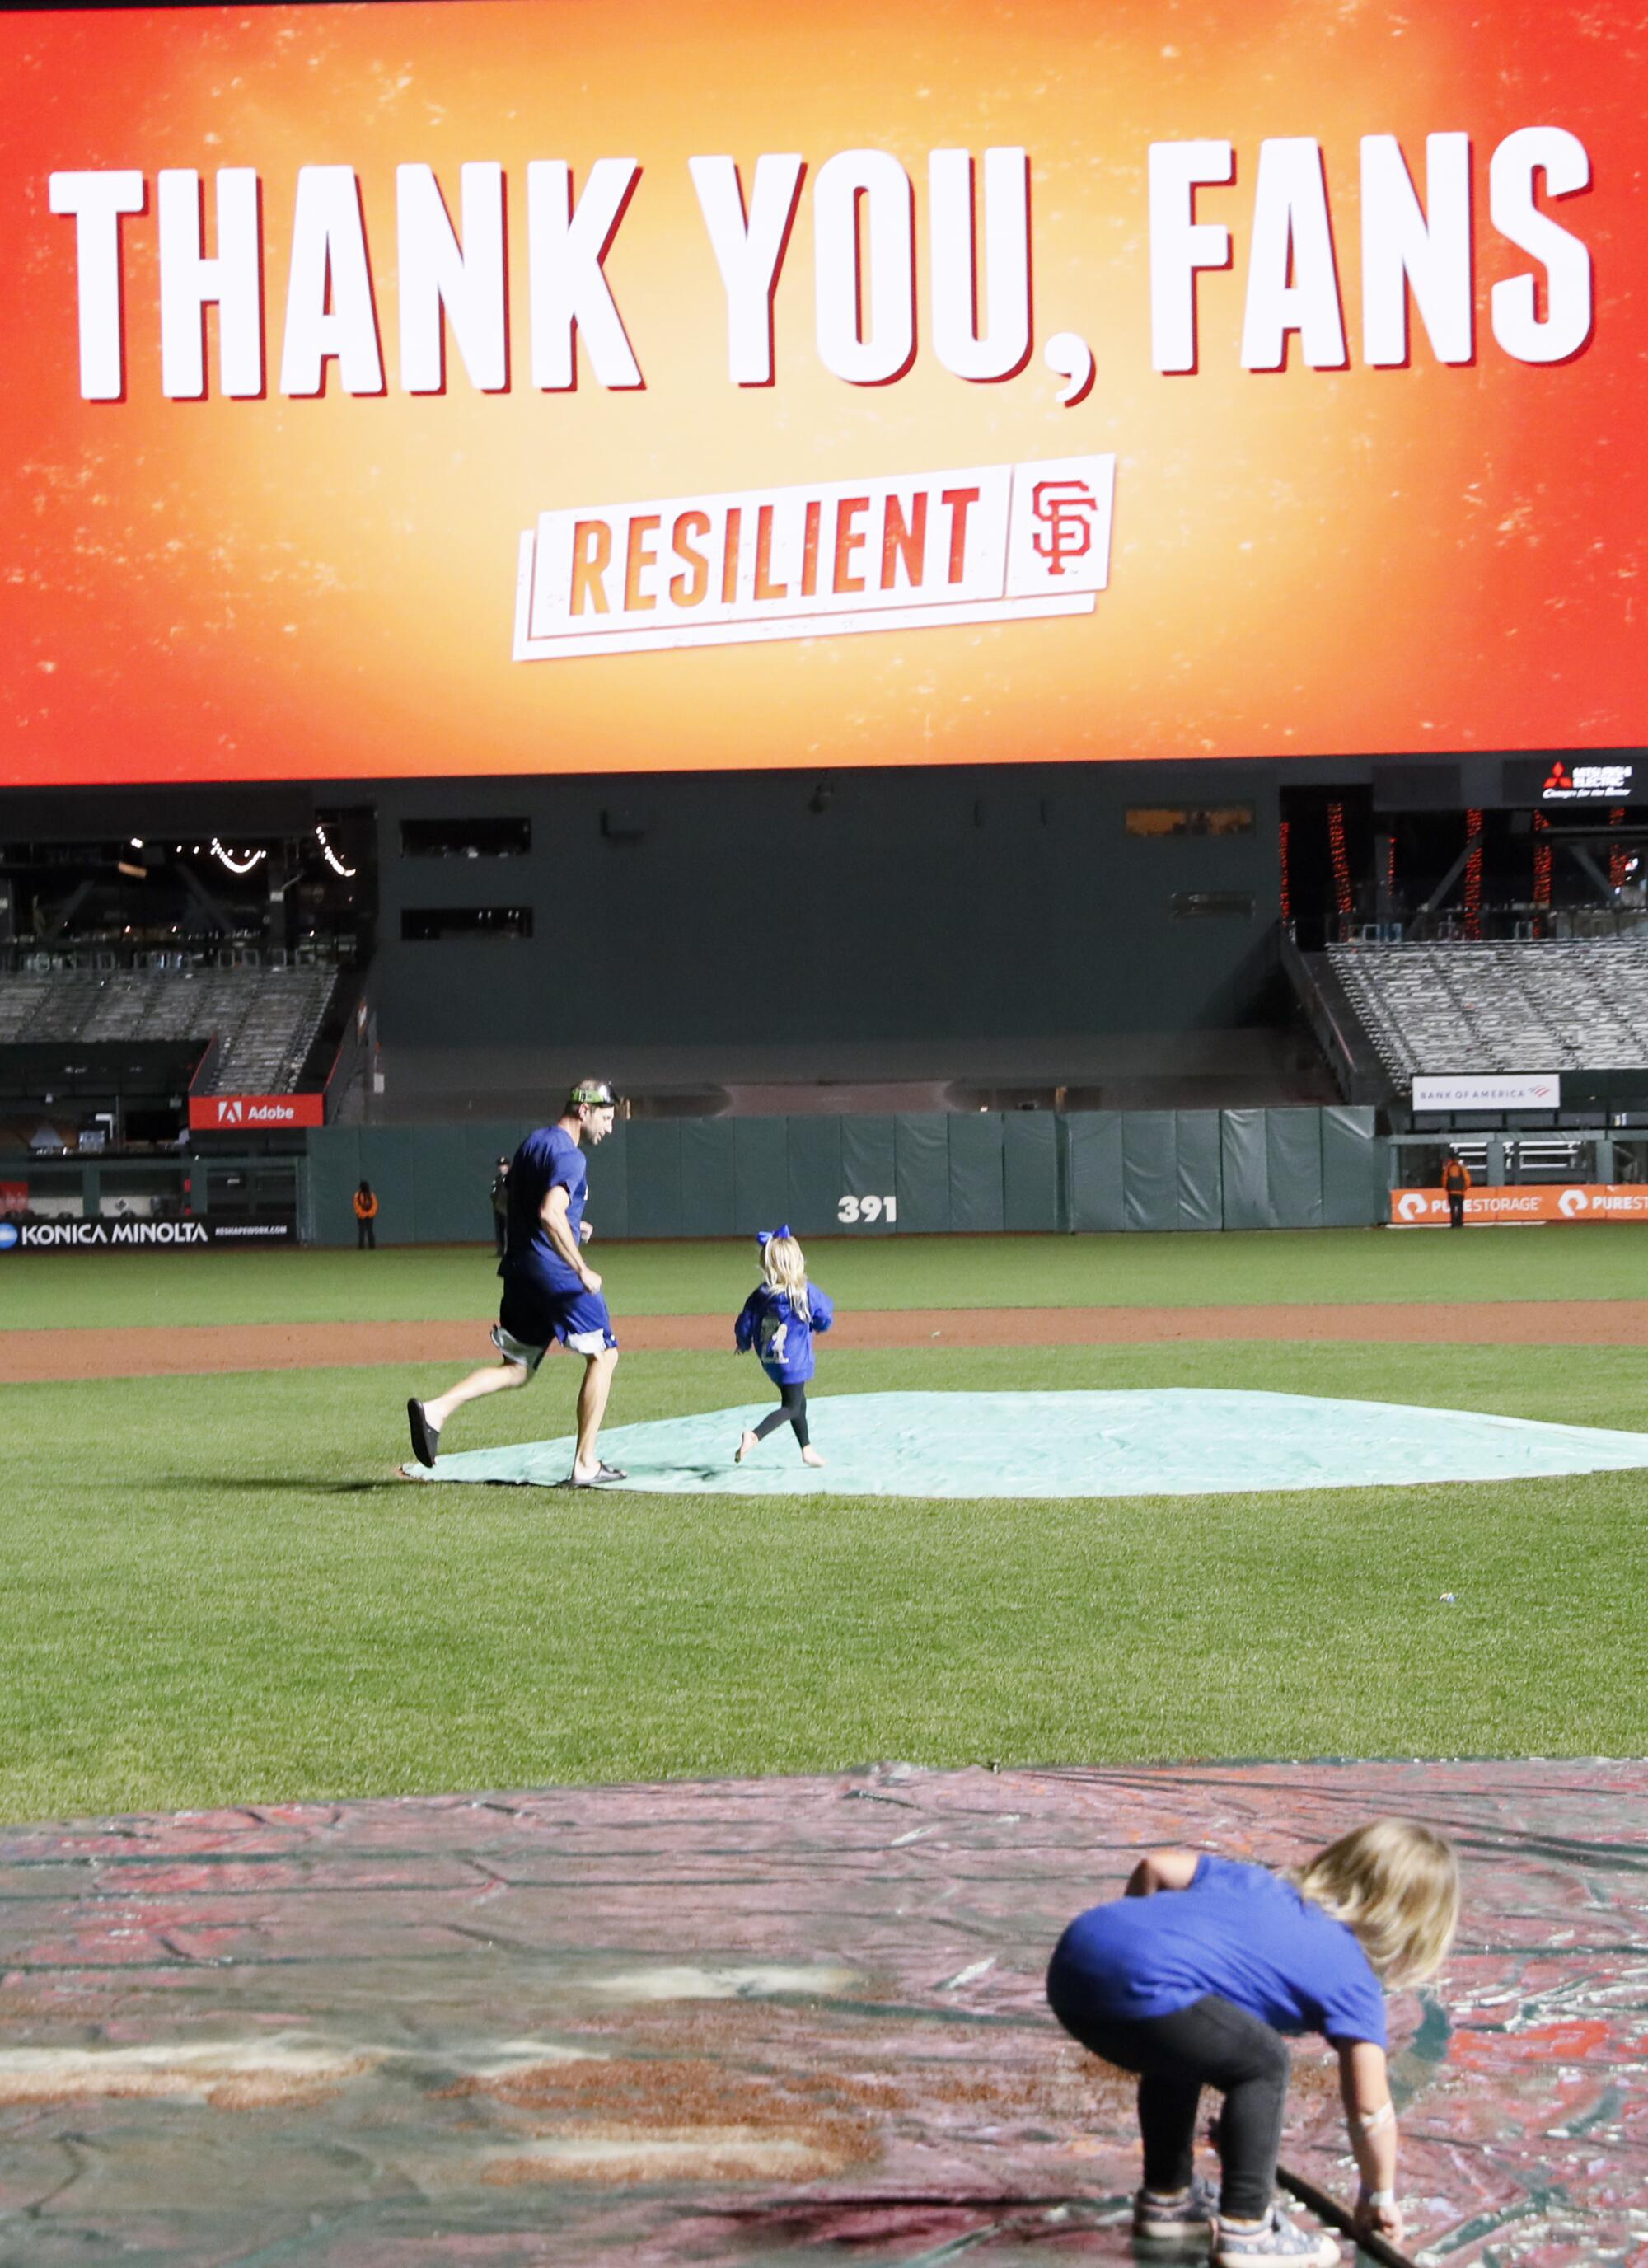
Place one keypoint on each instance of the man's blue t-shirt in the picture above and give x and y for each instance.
(1239, 1931)
(781, 1339)
(547, 1159)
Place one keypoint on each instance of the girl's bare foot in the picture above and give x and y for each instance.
(746, 1442)
(809, 1455)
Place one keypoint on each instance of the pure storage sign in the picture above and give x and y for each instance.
(1531, 1207)
(811, 388)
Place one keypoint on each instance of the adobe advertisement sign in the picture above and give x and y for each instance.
(510, 385)
(237, 1114)
(1505, 1207)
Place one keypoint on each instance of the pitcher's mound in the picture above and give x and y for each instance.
(1174, 1441)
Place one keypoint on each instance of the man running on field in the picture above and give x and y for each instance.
(548, 1291)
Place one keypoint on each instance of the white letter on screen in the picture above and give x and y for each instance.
(188, 282)
(748, 250)
(1562, 158)
(330, 243)
(1403, 249)
(568, 289)
(954, 247)
(1290, 229)
(437, 274)
(889, 210)
(1181, 245)
(97, 202)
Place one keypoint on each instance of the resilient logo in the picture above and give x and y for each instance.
(1572, 1202)
(1412, 1205)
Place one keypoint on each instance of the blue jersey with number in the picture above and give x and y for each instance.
(783, 1339)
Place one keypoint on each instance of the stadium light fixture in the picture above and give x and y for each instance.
(235, 866)
(331, 858)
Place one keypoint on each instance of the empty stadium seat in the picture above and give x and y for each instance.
(1560, 1004)
(265, 1019)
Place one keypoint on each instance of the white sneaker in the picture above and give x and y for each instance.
(1275, 2238)
(1186, 2219)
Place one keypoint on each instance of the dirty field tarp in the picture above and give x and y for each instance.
(751, 2023)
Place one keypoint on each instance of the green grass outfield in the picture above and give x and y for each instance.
(211, 1591)
(47, 1290)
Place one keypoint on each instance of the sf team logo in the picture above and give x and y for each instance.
(1064, 511)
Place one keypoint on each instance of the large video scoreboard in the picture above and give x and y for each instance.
(526, 385)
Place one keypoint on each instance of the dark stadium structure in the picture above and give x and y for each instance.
(1070, 939)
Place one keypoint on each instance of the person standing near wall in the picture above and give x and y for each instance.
(500, 1206)
(1456, 1180)
(549, 1291)
(366, 1218)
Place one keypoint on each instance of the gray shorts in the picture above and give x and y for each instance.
(514, 1349)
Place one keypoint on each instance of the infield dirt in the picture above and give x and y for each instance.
(195, 1349)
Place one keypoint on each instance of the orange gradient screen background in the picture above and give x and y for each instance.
(1305, 561)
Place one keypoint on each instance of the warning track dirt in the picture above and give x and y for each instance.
(194, 1350)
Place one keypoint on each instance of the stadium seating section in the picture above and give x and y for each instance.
(265, 1019)
(1558, 1005)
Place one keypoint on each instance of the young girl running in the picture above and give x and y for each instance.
(1191, 1979)
(778, 1320)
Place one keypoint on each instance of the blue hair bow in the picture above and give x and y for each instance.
(764, 1236)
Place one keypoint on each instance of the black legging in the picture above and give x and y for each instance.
(1211, 2044)
(791, 1410)
(366, 1234)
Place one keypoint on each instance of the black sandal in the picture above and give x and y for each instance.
(426, 1437)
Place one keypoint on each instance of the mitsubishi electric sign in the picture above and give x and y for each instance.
(1588, 782)
(1515, 1091)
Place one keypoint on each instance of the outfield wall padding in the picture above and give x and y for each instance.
(962, 1172)
(1174, 1169)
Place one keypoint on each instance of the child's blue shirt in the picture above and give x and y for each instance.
(1239, 1931)
(783, 1339)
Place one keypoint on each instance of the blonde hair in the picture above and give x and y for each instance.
(1396, 1884)
(785, 1267)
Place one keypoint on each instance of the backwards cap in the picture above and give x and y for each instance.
(595, 1092)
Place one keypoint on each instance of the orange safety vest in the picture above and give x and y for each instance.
(365, 1208)
(1456, 1176)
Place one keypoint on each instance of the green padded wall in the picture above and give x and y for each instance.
(1094, 1182)
(1030, 1172)
(921, 1151)
(970, 1173)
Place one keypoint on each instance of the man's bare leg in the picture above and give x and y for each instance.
(426, 1419)
(591, 1408)
(494, 1379)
